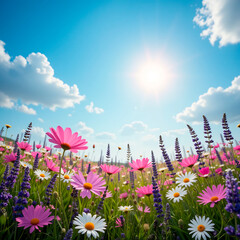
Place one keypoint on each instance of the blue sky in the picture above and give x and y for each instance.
(99, 50)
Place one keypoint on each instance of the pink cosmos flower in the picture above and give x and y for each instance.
(24, 146)
(2, 149)
(123, 195)
(140, 165)
(10, 158)
(34, 217)
(145, 190)
(168, 182)
(204, 172)
(93, 184)
(1, 139)
(34, 154)
(145, 210)
(108, 194)
(237, 148)
(66, 140)
(38, 146)
(189, 162)
(119, 222)
(216, 146)
(48, 148)
(213, 195)
(110, 169)
(51, 165)
(219, 171)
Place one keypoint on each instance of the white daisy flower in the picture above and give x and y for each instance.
(25, 164)
(229, 169)
(41, 174)
(67, 177)
(125, 208)
(89, 224)
(176, 194)
(199, 226)
(186, 179)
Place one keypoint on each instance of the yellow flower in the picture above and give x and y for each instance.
(8, 126)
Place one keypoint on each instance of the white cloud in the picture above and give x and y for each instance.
(70, 115)
(221, 20)
(32, 81)
(174, 132)
(84, 130)
(133, 127)
(150, 138)
(40, 120)
(213, 104)
(25, 109)
(106, 136)
(91, 109)
(38, 132)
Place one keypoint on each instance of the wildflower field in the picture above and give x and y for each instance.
(57, 193)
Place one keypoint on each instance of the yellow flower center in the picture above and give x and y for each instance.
(66, 177)
(24, 165)
(87, 185)
(186, 180)
(214, 198)
(34, 221)
(65, 146)
(200, 228)
(89, 226)
(126, 208)
(176, 194)
(42, 175)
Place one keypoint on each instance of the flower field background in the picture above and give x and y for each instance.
(58, 193)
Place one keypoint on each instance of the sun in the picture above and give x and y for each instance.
(152, 76)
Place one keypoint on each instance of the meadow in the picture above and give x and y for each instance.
(57, 193)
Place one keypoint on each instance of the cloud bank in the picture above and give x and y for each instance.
(92, 109)
(31, 80)
(213, 104)
(220, 20)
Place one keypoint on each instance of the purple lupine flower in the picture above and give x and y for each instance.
(108, 154)
(89, 168)
(165, 156)
(15, 144)
(5, 196)
(178, 154)
(207, 132)
(74, 195)
(218, 156)
(27, 133)
(36, 162)
(69, 234)
(154, 166)
(100, 205)
(86, 210)
(233, 202)
(197, 144)
(128, 153)
(50, 189)
(167, 216)
(132, 179)
(226, 132)
(22, 195)
(11, 179)
(34, 146)
(157, 199)
(118, 176)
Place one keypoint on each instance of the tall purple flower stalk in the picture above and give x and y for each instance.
(226, 131)
(157, 199)
(166, 157)
(69, 234)
(49, 189)
(197, 144)
(178, 153)
(5, 196)
(233, 203)
(154, 166)
(23, 195)
(11, 179)
(207, 132)
(74, 195)
(27, 133)
(100, 205)
(131, 179)
(15, 144)
(108, 158)
(89, 168)
(36, 162)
